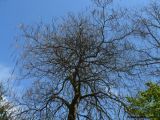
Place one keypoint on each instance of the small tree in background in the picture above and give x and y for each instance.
(4, 106)
(147, 103)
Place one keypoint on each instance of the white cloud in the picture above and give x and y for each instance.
(5, 73)
(10, 81)
(6, 79)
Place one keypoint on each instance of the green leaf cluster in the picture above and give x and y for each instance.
(147, 103)
(3, 106)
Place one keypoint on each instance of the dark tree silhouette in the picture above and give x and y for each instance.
(76, 64)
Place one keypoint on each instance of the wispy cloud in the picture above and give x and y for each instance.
(5, 72)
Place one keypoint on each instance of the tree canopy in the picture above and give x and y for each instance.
(84, 65)
(76, 63)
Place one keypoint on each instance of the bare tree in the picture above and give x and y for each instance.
(147, 25)
(75, 65)
(146, 29)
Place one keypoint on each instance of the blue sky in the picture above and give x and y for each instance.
(15, 12)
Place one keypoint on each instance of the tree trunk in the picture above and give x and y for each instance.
(75, 101)
(73, 106)
(72, 112)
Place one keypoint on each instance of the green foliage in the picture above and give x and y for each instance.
(3, 106)
(3, 113)
(147, 103)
